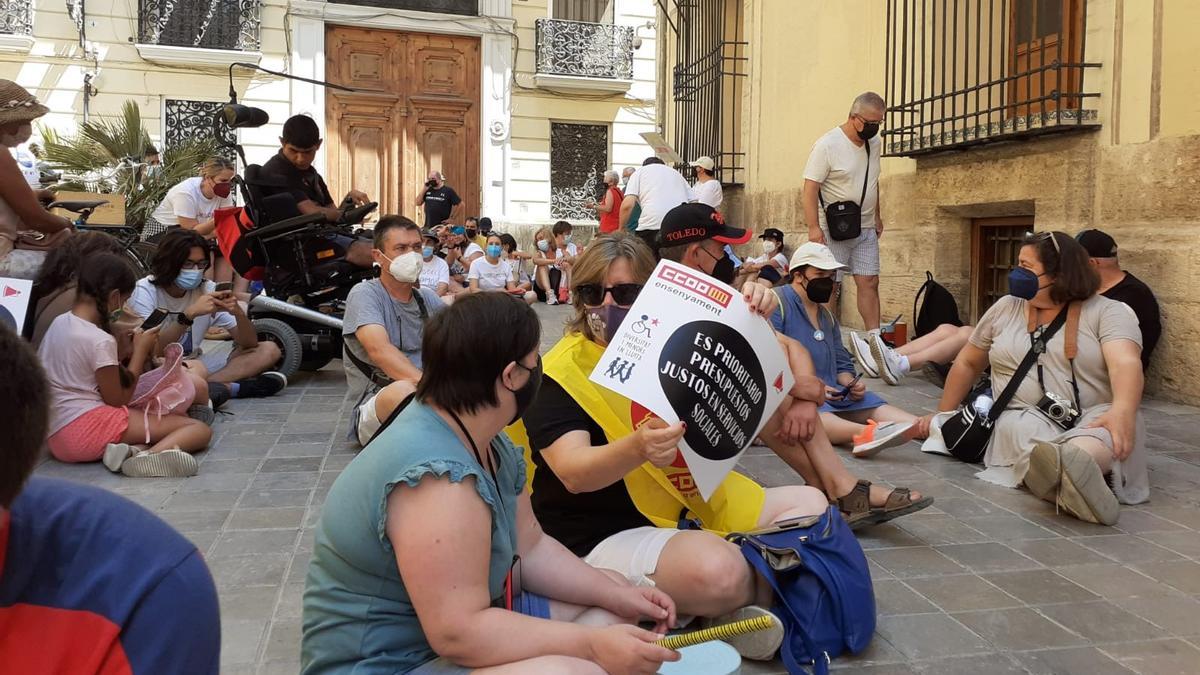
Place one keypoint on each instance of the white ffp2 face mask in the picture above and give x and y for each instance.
(768, 246)
(406, 268)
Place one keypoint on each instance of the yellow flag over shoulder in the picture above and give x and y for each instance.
(661, 495)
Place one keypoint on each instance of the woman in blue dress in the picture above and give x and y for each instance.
(851, 414)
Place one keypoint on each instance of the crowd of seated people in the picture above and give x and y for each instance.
(432, 555)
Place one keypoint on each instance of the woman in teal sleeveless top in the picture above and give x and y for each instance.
(428, 558)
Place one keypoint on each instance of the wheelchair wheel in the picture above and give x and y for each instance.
(288, 341)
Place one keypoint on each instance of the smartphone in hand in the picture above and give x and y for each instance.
(224, 287)
(845, 390)
(155, 319)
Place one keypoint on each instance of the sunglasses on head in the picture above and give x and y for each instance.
(593, 294)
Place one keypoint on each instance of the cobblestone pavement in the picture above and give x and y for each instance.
(988, 580)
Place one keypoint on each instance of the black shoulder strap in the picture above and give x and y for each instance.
(373, 374)
(422, 310)
(866, 174)
(1039, 345)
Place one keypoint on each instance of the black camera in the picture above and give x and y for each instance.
(431, 184)
(1061, 411)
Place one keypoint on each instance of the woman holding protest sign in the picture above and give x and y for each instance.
(609, 481)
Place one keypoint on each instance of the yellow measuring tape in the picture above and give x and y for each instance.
(722, 632)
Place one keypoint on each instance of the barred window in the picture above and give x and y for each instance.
(186, 120)
(578, 160)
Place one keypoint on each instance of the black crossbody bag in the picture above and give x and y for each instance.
(844, 219)
(967, 432)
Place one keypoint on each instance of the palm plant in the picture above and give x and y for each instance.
(106, 157)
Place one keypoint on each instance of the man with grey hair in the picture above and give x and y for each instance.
(841, 181)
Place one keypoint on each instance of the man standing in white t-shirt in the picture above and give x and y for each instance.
(657, 188)
(835, 172)
(707, 189)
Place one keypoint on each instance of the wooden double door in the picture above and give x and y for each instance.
(415, 108)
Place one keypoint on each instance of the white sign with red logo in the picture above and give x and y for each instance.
(14, 301)
(691, 350)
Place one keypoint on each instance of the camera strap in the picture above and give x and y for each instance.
(1071, 347)
(1039, 337)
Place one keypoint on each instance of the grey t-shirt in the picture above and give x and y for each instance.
(369, 303)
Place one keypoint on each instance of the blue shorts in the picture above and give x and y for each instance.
(529, 604)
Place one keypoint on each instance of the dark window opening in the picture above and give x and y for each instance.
(995, 245)
(578, 160)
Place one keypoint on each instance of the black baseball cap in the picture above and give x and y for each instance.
(1097, 244)
(693, 222)
(772, 233)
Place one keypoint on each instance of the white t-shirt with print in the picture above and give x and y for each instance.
(839, 165)
(708, 192)
(491, 277)
(147, 297)
(71, 352)
(433, 272)
(187, 200)
(659, 188)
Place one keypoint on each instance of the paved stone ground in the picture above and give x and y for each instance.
(988, 580)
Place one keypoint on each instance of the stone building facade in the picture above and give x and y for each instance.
(1098, 129)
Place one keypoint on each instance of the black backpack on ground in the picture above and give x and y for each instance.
(938, 307)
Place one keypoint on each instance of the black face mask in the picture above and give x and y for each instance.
(869, 130)
(723, 270)
(471, 233)
(528, 392)
(819, 290)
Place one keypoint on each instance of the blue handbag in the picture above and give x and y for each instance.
(823, 591)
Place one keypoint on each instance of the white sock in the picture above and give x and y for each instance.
(904, 365)
(873, 331)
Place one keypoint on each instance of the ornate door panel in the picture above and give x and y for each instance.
(416, 109)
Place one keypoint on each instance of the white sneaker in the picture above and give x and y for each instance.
(551, 299)
(761, 645)
(172, 463)
(880, 436)
(115, 455)
(860, 349)
(891, 365)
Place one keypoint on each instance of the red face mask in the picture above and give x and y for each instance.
(222, 190)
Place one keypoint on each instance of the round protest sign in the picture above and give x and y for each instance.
(714, 382)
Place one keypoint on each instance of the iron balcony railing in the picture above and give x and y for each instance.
(583, 49)
(16, 17)
(208, 24)
(962, 73)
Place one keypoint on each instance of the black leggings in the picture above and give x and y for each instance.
(555, 279)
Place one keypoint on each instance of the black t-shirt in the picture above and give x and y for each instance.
(438, 204)
(578, 521)
(1134, 292)
(304, 185)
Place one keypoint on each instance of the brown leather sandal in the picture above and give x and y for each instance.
(856, 505)
(899, 503)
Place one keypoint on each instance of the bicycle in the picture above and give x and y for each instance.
(138, 252)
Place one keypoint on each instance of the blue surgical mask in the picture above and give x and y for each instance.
(543, 245)
(1023, 283)
(189, 279)
(566, 238)
(493, 250)
(427, 252)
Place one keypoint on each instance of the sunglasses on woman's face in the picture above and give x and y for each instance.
(622, 294)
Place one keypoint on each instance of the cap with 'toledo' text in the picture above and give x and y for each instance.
(694, 222)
